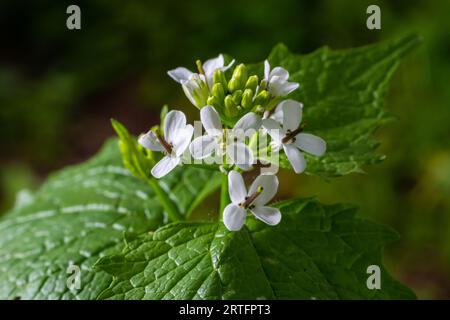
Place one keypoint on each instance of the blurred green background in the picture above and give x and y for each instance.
(59, 88)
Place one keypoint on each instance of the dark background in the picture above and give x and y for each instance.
(59, 88)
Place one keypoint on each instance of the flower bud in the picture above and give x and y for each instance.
(231, 109)
(252, 83)
(218, 91)
(263, 85)
(215, 102)
(262, 98)
(237, 96)
(247, 99)
(238, 79)
(233, 85)
(219, 77)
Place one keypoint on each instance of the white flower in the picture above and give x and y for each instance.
(228, 141)
(177, 136)
(289, 135)
(198, 86)
(262, 190)
(277, 81)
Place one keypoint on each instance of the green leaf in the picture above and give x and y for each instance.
(343, 94)
(81, 214)
(317, 252)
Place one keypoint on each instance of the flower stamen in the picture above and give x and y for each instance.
(167, 146)
(251, 198)
(290, 135)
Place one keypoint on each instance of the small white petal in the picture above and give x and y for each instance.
(188, 91)
(179, 74)
(273, 129)
(280, 88)
(266, 70)
(211, 120)
(203, 146)
(295, 157)
(269, 215)
(234, 217)
(269, 184)
(279, 72)
(164, 166)
(228, 66)
(277, 115)
(310, 143)
(182, 139)
(211, 65)
(292, 114)
(249, 121)
(236, 187)
(173, 121)
(150, 141)
(240, 155)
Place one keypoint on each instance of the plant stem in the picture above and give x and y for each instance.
(224, 196)
(168, 205)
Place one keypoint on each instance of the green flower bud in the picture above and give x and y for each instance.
(263, 85)
(241, 74)
(252, 83)
(247, 99)
(218, 91)
(238, 79)
(262, 98)
(237, 96)
(219, 77)
(233, 85)
(214, 101)
(231, 109)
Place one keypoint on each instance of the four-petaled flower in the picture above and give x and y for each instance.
(262, 190)
(228, 142)
(288, 135)
(197, 86)
(277, 81)
(177, 136)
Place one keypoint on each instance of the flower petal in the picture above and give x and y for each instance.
(228, 66)
(236, 187)
(249, 121)
(234, 217)
(210, 65)
(273, 129)
(310, 143)
(150, 141)
(280, 88)
(279, 72)
(182, 139)
(164, 166)
(173, 121)
(269, 184)
(211, 120)
(292, 114)
(295, 157)
(269, 215)
(189, 92)
(203, 146)
(179, 74)
(240, 155)
(266, 70)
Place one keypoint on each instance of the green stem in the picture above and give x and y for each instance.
(224, 196)
(168, 205)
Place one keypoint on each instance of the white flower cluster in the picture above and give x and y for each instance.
(231, 144)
